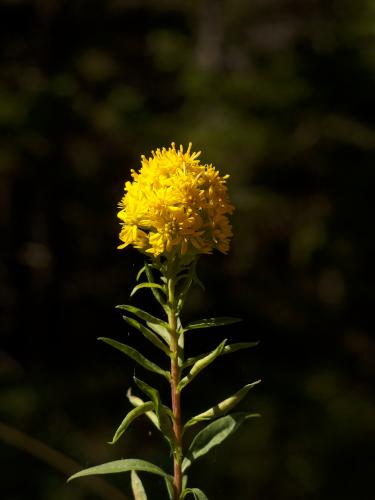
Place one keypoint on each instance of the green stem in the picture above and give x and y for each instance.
(175, 393)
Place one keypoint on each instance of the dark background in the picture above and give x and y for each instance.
(278, 93)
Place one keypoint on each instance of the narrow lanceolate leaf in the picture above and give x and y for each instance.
(140, 272)
(132, 415)
(145, 285)
(211, 322)
(126, 465)
(136, 401)
(142, 314)
(170, 490)
(196, 492)
(148, 334)
(181, 347)
(161, 330)
(136, 356)
(212, 435)
(201, 364)
(158, 296)
(228, 349)
(223, 407)
(137, 487)
(183, 292)
(184, 481)
(161, 412)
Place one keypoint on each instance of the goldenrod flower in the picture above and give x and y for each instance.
(175, 204)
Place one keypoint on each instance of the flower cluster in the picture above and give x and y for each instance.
(175, 204)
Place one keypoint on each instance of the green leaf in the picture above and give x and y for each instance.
(170, 490)
(145, 285)
(136, 401)
(201, 364)
(161, 412)
(197, 493)
(184, 481)
(140, 272)
(223, 407)
(126, 465)
(148, 334)
(228, 349)
(137, 487)
(132, 415)
(211, 322)
(154, 290)
(212, 435)
(136, 356)
(162, 331)
(183, 292)
(142, 314)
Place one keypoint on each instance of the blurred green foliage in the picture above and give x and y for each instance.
(280, 94)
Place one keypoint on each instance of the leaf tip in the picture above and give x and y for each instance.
(122, 307)
(254, 415)
(73, 476)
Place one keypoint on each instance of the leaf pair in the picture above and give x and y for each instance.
(159, 414)
(214, 434)
(211, 436)
(157, 325)
(162, 412)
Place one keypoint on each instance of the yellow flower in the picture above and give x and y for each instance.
(175, 204)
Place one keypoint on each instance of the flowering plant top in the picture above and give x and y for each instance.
(173, 210)
(175, 204)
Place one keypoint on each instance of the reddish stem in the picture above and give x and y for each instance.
(175, 393)
(176, 408)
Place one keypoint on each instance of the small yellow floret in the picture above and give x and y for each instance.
(175, 204)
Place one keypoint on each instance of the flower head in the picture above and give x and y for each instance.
(175, 204)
